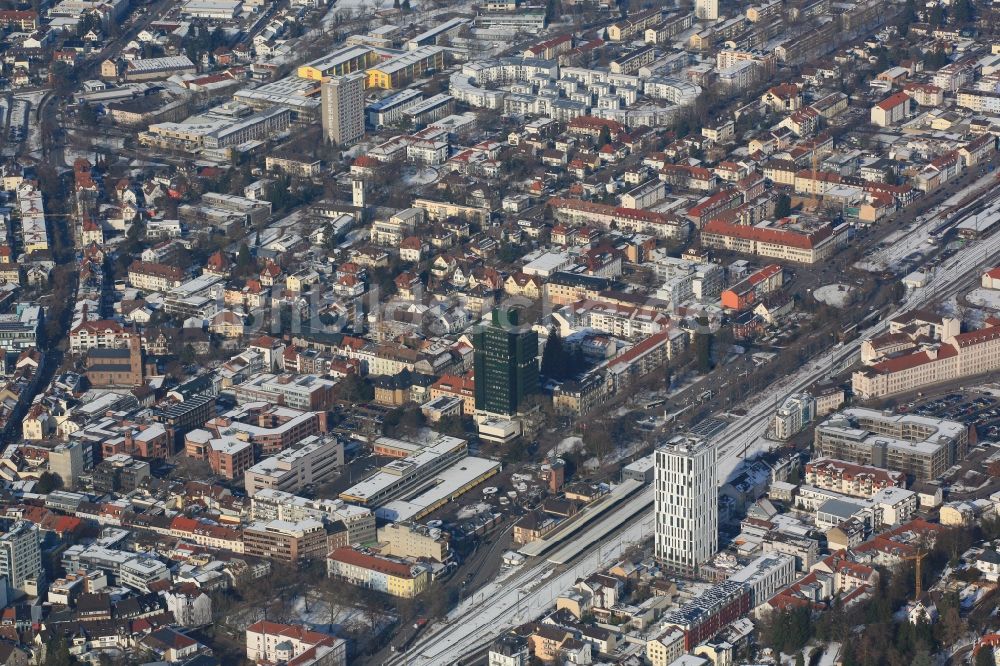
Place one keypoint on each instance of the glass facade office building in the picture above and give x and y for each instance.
(505, 363)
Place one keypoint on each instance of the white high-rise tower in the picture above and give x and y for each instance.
(686, 503)
(20, 555)
(706, 10)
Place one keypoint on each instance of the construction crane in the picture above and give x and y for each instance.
(918, 557)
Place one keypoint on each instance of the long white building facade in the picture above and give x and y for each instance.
(686, 503)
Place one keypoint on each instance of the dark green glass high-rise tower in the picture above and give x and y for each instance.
(505, 365)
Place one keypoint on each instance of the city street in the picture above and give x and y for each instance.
(524, 593)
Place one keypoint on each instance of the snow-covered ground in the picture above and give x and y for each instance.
(422, 11)
(316, 612)
(473, 510)
(986, 298)
(82, 138)
(33, 140)
(836, 295)
(970, 190)
(679, 385)
(424, 176)
(991, 389)
(913, 239)
(830, 655)
(72, 154)
(568, 445)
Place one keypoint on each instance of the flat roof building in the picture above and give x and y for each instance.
(343, 104)
(686, 502)
(145, 69)
(919, 446)
(270, 504)
(216, 10)
(440, 488)
(407, 473)
(286, 541)
(398, 71)
(313, 460)
(338, 63)
(390, 109)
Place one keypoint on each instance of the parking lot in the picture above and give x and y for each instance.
(971, 407)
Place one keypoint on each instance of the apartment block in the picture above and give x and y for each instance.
(271, 643)
(850, 479)
(955, 357)
(151, 276)
(306, 392)
(21, 556)
(313, 460)
(794, 414)
(383, 574)
(343, 108)
(271, 504)
(919, 446)
(413, 541)
(287, 541)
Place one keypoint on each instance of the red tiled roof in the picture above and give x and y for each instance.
(17, 15)
(159, 270)
(764, 273)
(900, 363)
(291, 631)
(824, 176)
(100, 326)
(887, 546)
(217, 260)
(184, 524)
(455, 384)
(918, 525)
(871, 186)
(614, 211)
(211, 78)
(769, 234)
(351, 342)
(590, 122)
(549, 43)
(784, 91)
(805, 113)
(62, 524)
(372, 562)
(698, 209)
(978, 337)
(700, 173)
(981, 141)
(641, 348)
(948, 158)
(892, 101)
